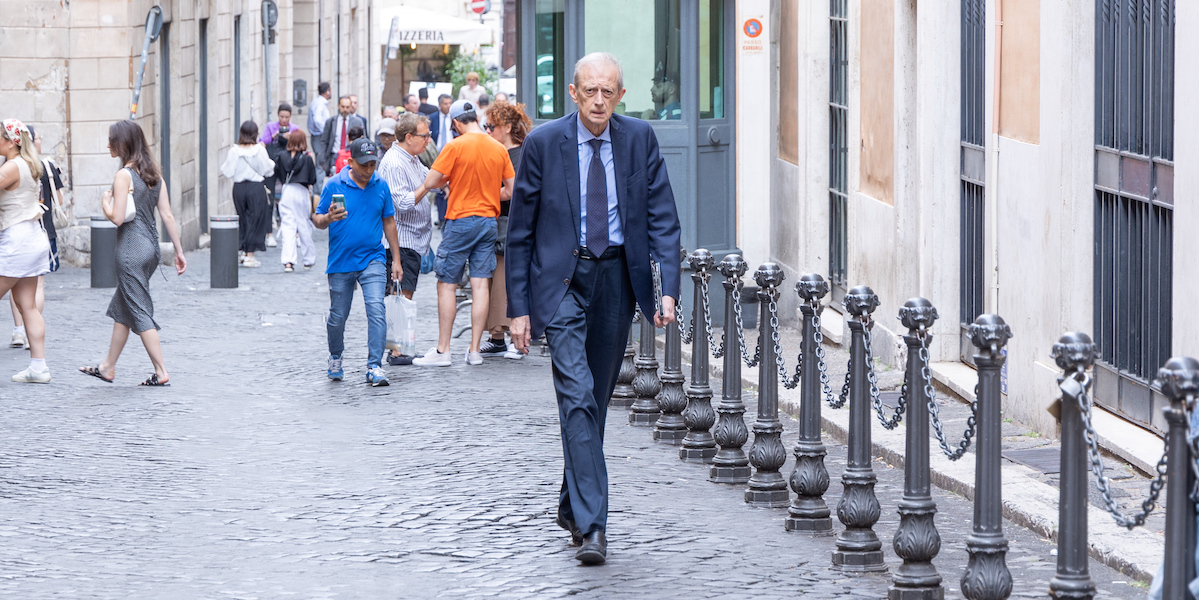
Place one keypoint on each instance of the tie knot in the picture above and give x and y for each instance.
(595, 144)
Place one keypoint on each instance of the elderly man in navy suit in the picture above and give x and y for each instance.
(592, 205)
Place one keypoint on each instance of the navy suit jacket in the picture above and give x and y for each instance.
(543, 221)
(435, 127)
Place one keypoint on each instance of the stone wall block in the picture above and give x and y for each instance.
(75, 245)
(111, 42)
(103, 105)
(94, 169)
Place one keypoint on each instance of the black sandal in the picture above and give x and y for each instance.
(94, 371)
(153, 382)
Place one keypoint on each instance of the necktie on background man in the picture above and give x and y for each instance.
(343, 134)
(597, 202)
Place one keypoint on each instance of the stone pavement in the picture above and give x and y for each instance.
(253, 476)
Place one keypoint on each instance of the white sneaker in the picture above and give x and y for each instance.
(19, 340)
(31, 376)
(433, 358)
(474, 358)
(270, 241)
(251, 263)
(513, 353)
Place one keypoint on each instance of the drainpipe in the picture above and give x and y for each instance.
(993, 181)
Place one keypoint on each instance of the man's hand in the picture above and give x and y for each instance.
(397, 272)
(337, 212)
(518, 329)
(667, 315)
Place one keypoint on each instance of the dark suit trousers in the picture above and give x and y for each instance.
(587, 338)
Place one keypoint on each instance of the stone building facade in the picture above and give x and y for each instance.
(68, 67)
(1017, 157)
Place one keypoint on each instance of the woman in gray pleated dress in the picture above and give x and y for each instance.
(138, 254)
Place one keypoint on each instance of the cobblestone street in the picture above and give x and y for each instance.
(253, 476)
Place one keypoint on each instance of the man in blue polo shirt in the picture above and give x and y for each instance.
(356, 254)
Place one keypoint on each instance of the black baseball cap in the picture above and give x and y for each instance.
(364, 151)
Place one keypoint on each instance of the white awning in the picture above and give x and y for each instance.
(423, 26)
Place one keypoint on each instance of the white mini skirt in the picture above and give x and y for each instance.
(24, 250)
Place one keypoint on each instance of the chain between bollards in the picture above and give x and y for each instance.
(731, 465)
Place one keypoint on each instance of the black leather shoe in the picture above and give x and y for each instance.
(594, 550)
(576, 536)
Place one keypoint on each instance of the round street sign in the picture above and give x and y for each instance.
(478, 6)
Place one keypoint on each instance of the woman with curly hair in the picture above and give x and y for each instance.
(509, 125)
(24, 246)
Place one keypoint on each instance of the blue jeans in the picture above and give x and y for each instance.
(373, 280)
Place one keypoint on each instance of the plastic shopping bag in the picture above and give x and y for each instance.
(401, 324)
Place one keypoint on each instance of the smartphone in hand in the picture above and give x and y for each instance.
(339, 201)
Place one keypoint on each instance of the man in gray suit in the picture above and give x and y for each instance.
(333, 135)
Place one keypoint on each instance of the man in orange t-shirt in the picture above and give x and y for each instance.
(480, 175)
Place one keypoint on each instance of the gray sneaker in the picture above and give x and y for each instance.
(376, 377)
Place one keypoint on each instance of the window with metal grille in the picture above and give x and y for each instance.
(838, 187)
(972, 264)
(1134, 198)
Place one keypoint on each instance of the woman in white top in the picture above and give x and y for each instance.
(247, 164)
(24, 247)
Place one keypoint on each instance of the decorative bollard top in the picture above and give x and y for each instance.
(861, 301)
(1074, 352)
(1179, 378)
(769, 275)
(918, 315)
(701, 260)
(989, 334)
(811, 287)
(733, 267)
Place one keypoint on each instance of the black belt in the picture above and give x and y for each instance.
(611, 252)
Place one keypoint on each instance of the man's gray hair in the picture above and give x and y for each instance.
(406, 124)
(598, 58)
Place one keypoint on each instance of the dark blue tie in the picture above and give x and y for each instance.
(597, 202)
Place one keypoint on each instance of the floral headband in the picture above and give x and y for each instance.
(13, 130)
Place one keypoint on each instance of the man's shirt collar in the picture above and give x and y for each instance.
(585, 135)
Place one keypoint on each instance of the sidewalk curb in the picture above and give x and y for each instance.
(1026, 501)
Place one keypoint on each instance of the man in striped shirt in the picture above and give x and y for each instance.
(402, 170)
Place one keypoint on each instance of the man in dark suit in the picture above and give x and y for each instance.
(601, 177)
(333, 135)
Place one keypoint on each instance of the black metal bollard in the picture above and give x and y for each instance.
(646, 384)
(1074, 354)
(1180, 383)
(987, 576)
(766, 486)
(699, 445)
(670, 427)
(623, 394)
(916, 540)
(858, 547)
(103, 253)
(809, 480)
(731, 465)
(222, 251)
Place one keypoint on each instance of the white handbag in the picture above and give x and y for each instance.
(130, 208)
